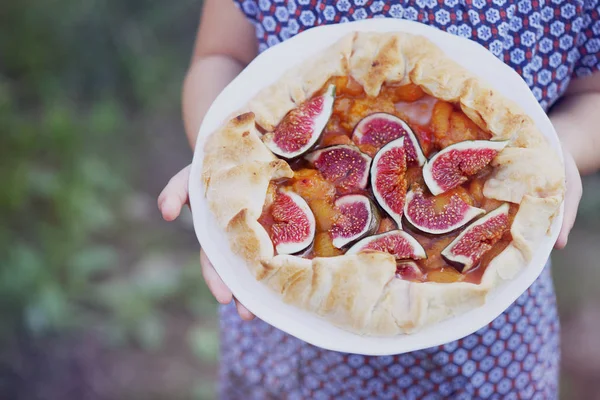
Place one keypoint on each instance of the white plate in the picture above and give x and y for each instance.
(268, 306)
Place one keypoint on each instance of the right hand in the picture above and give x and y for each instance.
(170, 201)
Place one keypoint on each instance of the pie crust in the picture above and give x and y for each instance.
(360, 293)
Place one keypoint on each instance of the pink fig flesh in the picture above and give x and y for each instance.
(397, 243)
(381, 128)
(477, 239)
(343, 165)
(357, 218)
(388, 178)
(454, 165)
(301, 128)
(408, 270)
(293, 228)
(420, 211)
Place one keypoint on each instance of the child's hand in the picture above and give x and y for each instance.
(572, 197)
(172, 198)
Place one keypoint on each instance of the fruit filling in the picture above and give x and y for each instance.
(388, 178)
(401, 173)
(293, 225)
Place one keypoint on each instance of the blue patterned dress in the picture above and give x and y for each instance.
(514, 357)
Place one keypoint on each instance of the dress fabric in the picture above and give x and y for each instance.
(514, 357)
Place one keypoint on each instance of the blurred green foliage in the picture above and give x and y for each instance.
(57, 195)
(78, 80)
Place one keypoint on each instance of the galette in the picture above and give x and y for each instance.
(382, 186)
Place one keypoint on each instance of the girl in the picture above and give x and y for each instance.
(556, 48)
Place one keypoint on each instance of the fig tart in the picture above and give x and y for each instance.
(382, 186)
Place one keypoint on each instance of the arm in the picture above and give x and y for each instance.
(577, 120)
(225, 44)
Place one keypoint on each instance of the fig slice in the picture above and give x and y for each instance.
(358, 217)
(388, 178)
(408, 270)
(381, 128)
(428, 215)
(293, 228)
(343, 165)
(301, 128)
(397, 242)
(454, 165)
(467, 249)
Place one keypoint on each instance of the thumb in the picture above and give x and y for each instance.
(174, 195)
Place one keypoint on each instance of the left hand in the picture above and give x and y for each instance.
(572, 198)
(170, 202)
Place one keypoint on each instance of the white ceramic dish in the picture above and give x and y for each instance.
(268, 306)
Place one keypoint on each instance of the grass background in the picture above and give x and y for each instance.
(99, 299)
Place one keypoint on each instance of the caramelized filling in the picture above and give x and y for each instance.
(437, 124)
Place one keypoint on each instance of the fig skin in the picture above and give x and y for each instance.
(380, 128)
(302, 127)
(420, 211)
(292, 216)
(344, 235)
(453, 165)
(478, 238)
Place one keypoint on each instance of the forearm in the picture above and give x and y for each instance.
(577, 122)
(205, 79)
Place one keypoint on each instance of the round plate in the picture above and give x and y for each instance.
(267, 305)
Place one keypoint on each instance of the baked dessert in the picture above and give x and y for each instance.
(382, 186)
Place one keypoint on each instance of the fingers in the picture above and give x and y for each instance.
(218, 288)
(170, 201)
(572, 198)
(174, 195)
(243, 311)
(214, 282)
